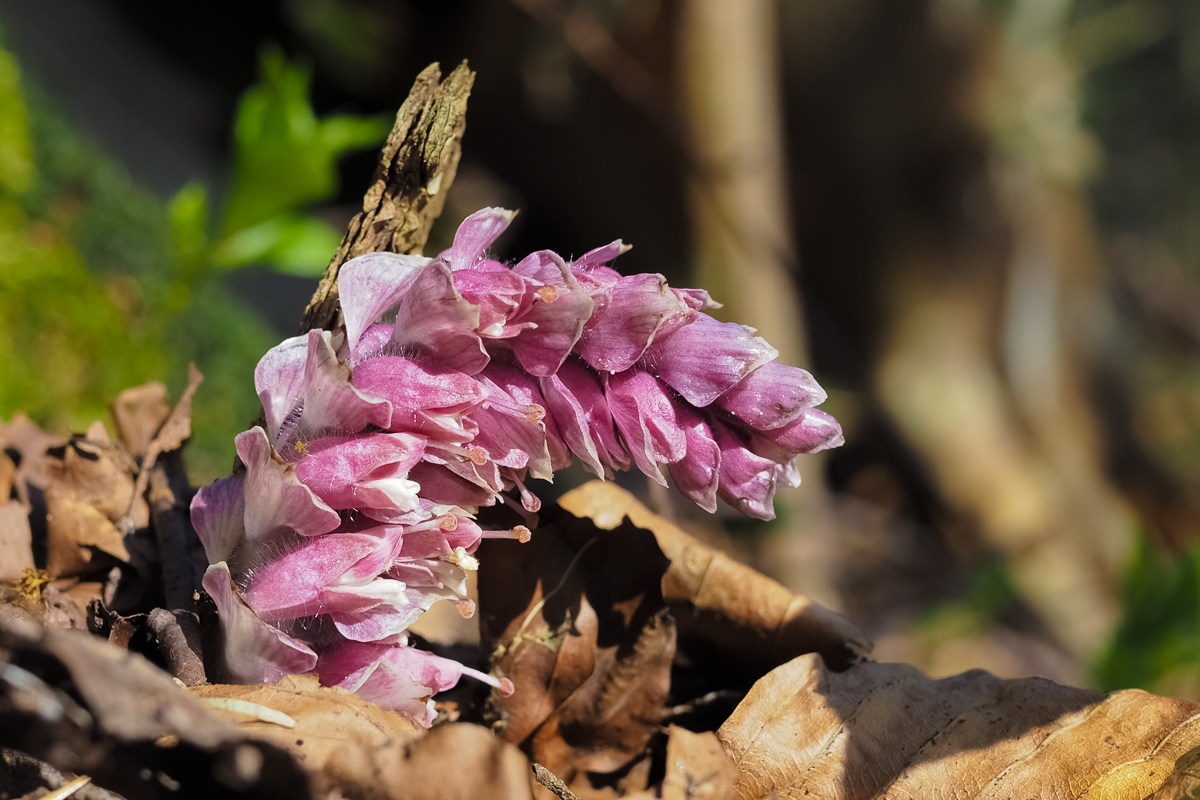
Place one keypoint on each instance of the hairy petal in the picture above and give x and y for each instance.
(279, 381)
(277, 503)
(252, 650)
(425, 399)
(577, 404)
(330, 400)
(706, 358)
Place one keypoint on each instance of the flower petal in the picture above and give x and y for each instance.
(601, 256)
(697, 474)
(616, 338)
(811, 432)
(424, 399)
(363, 471)
(645, 416)
(476, 234)
(560, 310)
(276, 501)
(330, 400)
(747, 480)
(706, 358)
(279, 381)
(295, 584)
(219, 517)
(772, 396)
(577, 404)
(372, 284)
(253, 651)
(434, 318)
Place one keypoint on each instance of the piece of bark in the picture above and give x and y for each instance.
(416, 167)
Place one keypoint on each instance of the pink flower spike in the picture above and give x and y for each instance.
(219, 517)
(279, 381)
(697, 474)
(747, 480)
(276, 501)
(811, 432)
(476, 234)
(253, 651)
(372, 284)
(772, 396)
(435, 319)
(615, 338)
(368, 471)
(706, 358)
(645, 416)
(330, 400)
(560, 309)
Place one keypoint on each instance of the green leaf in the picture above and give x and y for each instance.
(286, 158)
(188, 215)
(291, 243)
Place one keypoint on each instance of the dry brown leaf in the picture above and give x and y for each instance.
(743, 614)
(886, 730)
(325, 718)
(453, 762)
(579, 625)
(138, 413)
(90, 488)
(697, 767)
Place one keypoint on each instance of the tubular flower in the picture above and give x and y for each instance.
(454, 381)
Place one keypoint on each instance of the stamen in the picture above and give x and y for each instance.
(535, 412)
(478, 456)
(466, 608)
(548, 294)
(520, 533)
(448, 522)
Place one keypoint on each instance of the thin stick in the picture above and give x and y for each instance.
(552, 782)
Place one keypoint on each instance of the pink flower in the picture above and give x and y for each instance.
(454, 382)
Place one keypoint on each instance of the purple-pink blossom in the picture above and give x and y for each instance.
(452, 383)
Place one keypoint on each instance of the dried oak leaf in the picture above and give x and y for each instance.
(888, 731)
(16, 539)
(310, 720)
(578, 623)
(745, 617)
(138, 413)
(458, 761)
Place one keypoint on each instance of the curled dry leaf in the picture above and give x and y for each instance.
(324, 719)
(453, 762)
(138, 413)
(577, 621)
(740, 613)
(886, 730)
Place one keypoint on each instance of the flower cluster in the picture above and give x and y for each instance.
(356, 510)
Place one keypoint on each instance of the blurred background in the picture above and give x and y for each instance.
(975, 221)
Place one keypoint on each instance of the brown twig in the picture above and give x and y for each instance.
(416, 167)
(182, 660)
(552, 782)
